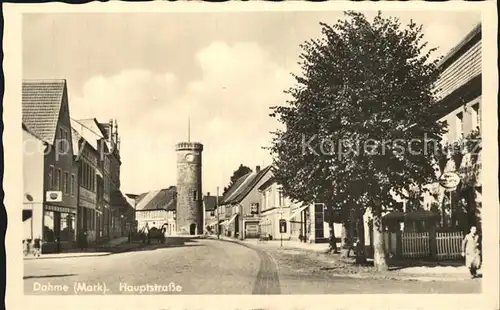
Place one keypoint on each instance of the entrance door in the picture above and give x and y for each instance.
(192, 229)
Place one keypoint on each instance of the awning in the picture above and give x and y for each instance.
(297, 212)
(212, 223)
(232, 219)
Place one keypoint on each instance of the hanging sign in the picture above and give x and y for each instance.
(449, 180)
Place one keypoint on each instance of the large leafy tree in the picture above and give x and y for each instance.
(238, 173)
(360, 122)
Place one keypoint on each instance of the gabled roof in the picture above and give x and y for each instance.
(231, 191)
(118, 200)
(132, 196)
(25, 128)
(75, 139)
(210, 202)
(268, 183)
(461, 47)
(88, 130)
(41, 105)
(164, 199)
(248, 184)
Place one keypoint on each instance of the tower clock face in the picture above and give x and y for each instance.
(189, 157)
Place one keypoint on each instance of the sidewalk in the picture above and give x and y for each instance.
(118, 245)
(401, 270)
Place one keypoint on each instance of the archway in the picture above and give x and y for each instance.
(192, 229)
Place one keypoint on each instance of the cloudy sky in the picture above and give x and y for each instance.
(152, 71)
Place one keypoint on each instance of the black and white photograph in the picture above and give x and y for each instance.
(293, 152)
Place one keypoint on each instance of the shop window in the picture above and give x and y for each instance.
(476, 117)
(48, 227)
(460, 125)
(67, 227)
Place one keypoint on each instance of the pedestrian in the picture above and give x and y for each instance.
(37, 247)
(471, 251)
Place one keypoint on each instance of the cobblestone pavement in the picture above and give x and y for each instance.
(316, 273)
(198, 266)
(205, 266)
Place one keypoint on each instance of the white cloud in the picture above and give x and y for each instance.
(228, 106)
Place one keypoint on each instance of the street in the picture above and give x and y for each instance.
(206, 266)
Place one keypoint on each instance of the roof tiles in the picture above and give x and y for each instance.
(41, 105)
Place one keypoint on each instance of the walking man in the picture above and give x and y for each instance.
(471, 251)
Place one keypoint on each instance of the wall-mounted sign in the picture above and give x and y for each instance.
(53, 196)
(449, 180)
(282, 226)
(254, 208)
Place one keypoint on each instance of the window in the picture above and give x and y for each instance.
(73, 184)
(66, 183)
(280, 198)
(212, 213)
(476, 117)
(51, 177)
(195, 195)
(58, 180)
(460, 125)
(268, 199)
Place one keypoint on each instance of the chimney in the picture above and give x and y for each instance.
(208, 194)
(110, 130)
(257, 169)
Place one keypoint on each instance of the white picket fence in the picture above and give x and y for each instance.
(415, 245)
(449, 245)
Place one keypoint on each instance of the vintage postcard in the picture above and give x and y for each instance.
(196, 156)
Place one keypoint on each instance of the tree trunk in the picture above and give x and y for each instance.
(331, 239)
(379, 259)
(360, 248)
(345, 240)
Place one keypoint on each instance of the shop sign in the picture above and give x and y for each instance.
(60, 209)
(449, 180)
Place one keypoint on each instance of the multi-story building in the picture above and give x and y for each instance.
(210, 212)
(241, 204)
(87, 157)
(33, 184)
(94, 136)
(113, 222)
(459, 94)
(306, 220)
(157, 209)
(46, 116)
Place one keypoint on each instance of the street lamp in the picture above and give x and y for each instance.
(30, 199)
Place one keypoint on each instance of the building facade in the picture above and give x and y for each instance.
(87, 158)
(274, 206)
(304, 222)
(459, 94)
(157, 209)
(46, 114)
(242, 203)
(210, 212)
(33, 184)
(189, 186)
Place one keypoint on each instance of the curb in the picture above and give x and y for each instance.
(97, 254)
(443, 278)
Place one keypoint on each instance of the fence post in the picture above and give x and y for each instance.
(433, 243)
(399, 244)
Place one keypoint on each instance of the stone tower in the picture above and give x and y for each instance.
(189, 214)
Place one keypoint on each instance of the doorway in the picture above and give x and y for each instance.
(192, 229)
